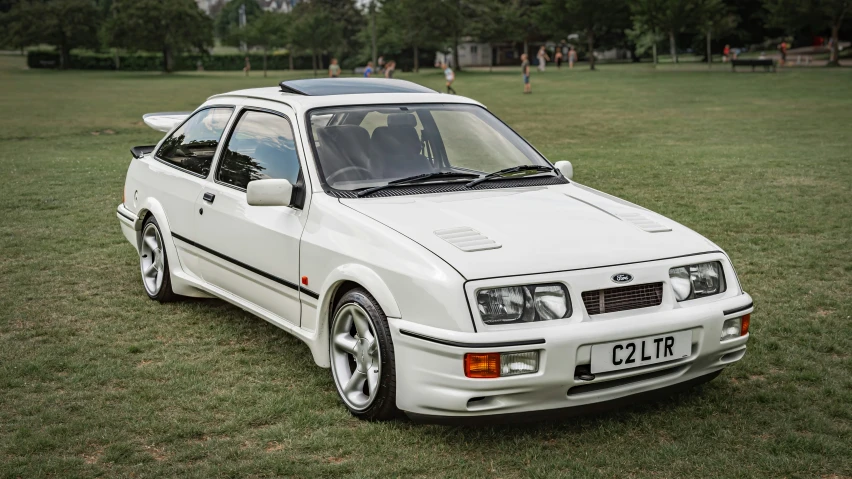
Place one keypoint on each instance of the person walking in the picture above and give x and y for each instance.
(782, 47)
(333, 69)
(572, 57)
(558, 58)
(450, 77)
(525, 69)
(726, 53)
(542, 58)
(247, 66)
(368, 72)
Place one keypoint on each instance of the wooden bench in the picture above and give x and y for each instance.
(768, 64)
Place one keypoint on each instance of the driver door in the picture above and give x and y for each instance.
(253, 251)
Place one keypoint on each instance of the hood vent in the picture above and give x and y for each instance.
(643, 222)
(467, 239)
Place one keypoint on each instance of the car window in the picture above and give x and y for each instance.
(367, 146)
(262, 146)
(193, 145)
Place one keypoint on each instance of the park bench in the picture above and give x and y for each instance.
(767, 64)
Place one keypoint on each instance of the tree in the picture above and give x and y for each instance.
(166, 26)
(19, 26)
(792, 15)
(314, 29)
(228, 19)
(601, 21)
(714, 17)
(65, 24)
(494, 21)
(674, 17)
(267, 31)
(410, 24)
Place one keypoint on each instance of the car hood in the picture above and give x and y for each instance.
(518, 231)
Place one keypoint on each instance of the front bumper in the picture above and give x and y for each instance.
(431, 380)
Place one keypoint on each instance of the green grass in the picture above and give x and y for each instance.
(96, 380)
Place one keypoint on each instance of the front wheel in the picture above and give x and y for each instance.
(362, 357)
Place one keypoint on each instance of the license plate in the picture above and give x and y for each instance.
(632, 353)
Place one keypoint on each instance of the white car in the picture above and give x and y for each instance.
(426, 253)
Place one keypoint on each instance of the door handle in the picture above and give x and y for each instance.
(209, 197)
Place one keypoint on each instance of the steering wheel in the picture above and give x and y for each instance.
(365, 173)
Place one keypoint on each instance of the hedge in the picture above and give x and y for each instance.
(151, 62)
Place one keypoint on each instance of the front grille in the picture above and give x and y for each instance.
(624, 298)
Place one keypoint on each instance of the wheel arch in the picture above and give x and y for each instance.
(342, 279)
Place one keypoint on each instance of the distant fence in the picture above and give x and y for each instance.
(151, 62)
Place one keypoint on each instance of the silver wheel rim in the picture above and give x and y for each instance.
(152, 259)
(355, 356)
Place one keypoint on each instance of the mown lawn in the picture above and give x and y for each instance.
(96, 380)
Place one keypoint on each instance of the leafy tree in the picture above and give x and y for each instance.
(601, 21)
(644, 38)
(314, 29)
(647, 23)
(792, 15)
(228, 19)
(19, 26)
(65, 24)
(166, 26)
(714, 17)
(267, 31)
(410, 24)
(494, 21)
(674, 17)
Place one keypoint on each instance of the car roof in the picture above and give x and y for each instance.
(340, 97)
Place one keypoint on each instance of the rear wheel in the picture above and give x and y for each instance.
(362, 357)
(154, 264)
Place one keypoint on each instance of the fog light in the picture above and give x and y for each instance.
(512, 364)
(732, 328)
(495, 365)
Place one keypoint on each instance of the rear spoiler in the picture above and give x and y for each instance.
(165, 121)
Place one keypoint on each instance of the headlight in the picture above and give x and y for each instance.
(697, 280)
(521, 304)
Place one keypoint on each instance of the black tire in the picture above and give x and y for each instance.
(383, 405)
(165, 293)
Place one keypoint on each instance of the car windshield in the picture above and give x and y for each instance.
(369, 146)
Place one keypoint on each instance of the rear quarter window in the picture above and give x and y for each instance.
(192, 146)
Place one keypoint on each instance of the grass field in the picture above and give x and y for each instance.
(96, 380)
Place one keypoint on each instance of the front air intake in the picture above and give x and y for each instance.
(622, 299)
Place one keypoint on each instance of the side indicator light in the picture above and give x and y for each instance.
(482, 365)
(744, 325)
(305, 280)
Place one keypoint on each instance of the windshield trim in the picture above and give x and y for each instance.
(338, 193)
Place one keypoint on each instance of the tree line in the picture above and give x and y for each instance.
(407, 28)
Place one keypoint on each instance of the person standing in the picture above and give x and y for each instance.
(247, 66)
(390, 68)
(558, 58)
(542, 58)
(382, 65)
(450, 77)
(782, 47)
(572, 57)
(368, 72)
(525, 69)
(333, 69)
(726, 52)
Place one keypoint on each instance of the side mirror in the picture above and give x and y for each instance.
(564, 167)
(269, 193)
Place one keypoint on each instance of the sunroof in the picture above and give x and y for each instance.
(349, 86)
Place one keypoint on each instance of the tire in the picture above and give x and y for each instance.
(157, 283)
(365, 378)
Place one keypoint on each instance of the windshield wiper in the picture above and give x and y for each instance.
(417, 179)
(504, 171)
